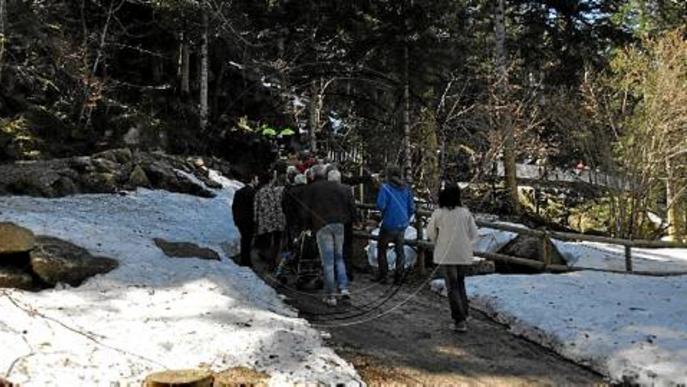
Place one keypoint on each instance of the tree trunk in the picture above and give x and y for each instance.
(672, 204)
(407, 144)
(218, 90)
(3, 34)
(185, 65)
(509, 167)
(314, 117)
(188, 378)
(204, 74)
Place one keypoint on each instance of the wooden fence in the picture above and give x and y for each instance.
(543, 235)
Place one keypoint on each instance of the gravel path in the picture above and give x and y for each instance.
(397, 334)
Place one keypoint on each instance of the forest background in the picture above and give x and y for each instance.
(445, 88)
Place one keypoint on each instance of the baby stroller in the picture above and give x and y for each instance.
(303, 263)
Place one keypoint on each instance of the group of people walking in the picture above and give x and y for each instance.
(308, 196)
(273, 210)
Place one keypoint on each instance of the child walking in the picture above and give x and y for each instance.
(452, 229)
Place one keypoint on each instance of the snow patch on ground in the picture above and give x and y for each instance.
(593, 255)
(153, 312)
(627, 327)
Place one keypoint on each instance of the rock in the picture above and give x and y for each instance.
(81, 164)
(105, 172)
(482, 267)
(64, 187)
(100, 182)
(15, 239)
(120, 156)
(105, 166)
(57, 261)
(11, 277)
(124, 155)
(107, 155)
(138, 178)
(185, 250)
(525, 246)
(160, 174)
(30, 185)
(198, 162)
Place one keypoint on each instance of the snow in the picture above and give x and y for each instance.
(593, 255)
(153, 312)
(627, 327)
(409, 252)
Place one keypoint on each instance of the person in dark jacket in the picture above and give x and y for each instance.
(329, 206)
(242, 210)
(396, 202)
(292, 204)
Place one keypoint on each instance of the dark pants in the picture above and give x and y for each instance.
(397, 237)
(454, 275)
(269, 246)
(246, 244)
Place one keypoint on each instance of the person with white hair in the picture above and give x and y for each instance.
(334, 175)
(329, 206)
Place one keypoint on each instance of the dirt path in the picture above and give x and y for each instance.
(397, 334)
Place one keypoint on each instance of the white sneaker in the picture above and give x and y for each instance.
(460, 327)
(345, 293)
(329, 300)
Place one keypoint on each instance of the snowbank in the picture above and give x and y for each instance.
(592, 255)
(627, 327)
(153, 312)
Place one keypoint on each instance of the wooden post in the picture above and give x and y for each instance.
(544, 250)
(628, 258)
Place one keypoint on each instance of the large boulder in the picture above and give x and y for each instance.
(525, 246)
(138, 178)
(185, 250)
(122, 155)
(106, 172)
(11, 277)
(57, 261)
(15, 239)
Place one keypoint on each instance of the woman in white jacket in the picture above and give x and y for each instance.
(452, 229)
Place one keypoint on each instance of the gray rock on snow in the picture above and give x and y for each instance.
(15, 239)
(525, 246)
(57, 261)
(185, 250)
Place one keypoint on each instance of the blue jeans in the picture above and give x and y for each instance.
(330, 241)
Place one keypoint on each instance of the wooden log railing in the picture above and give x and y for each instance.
(545, 237)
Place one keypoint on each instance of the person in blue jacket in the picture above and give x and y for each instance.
(396, 202)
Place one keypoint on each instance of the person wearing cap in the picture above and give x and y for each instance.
(396, 202)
